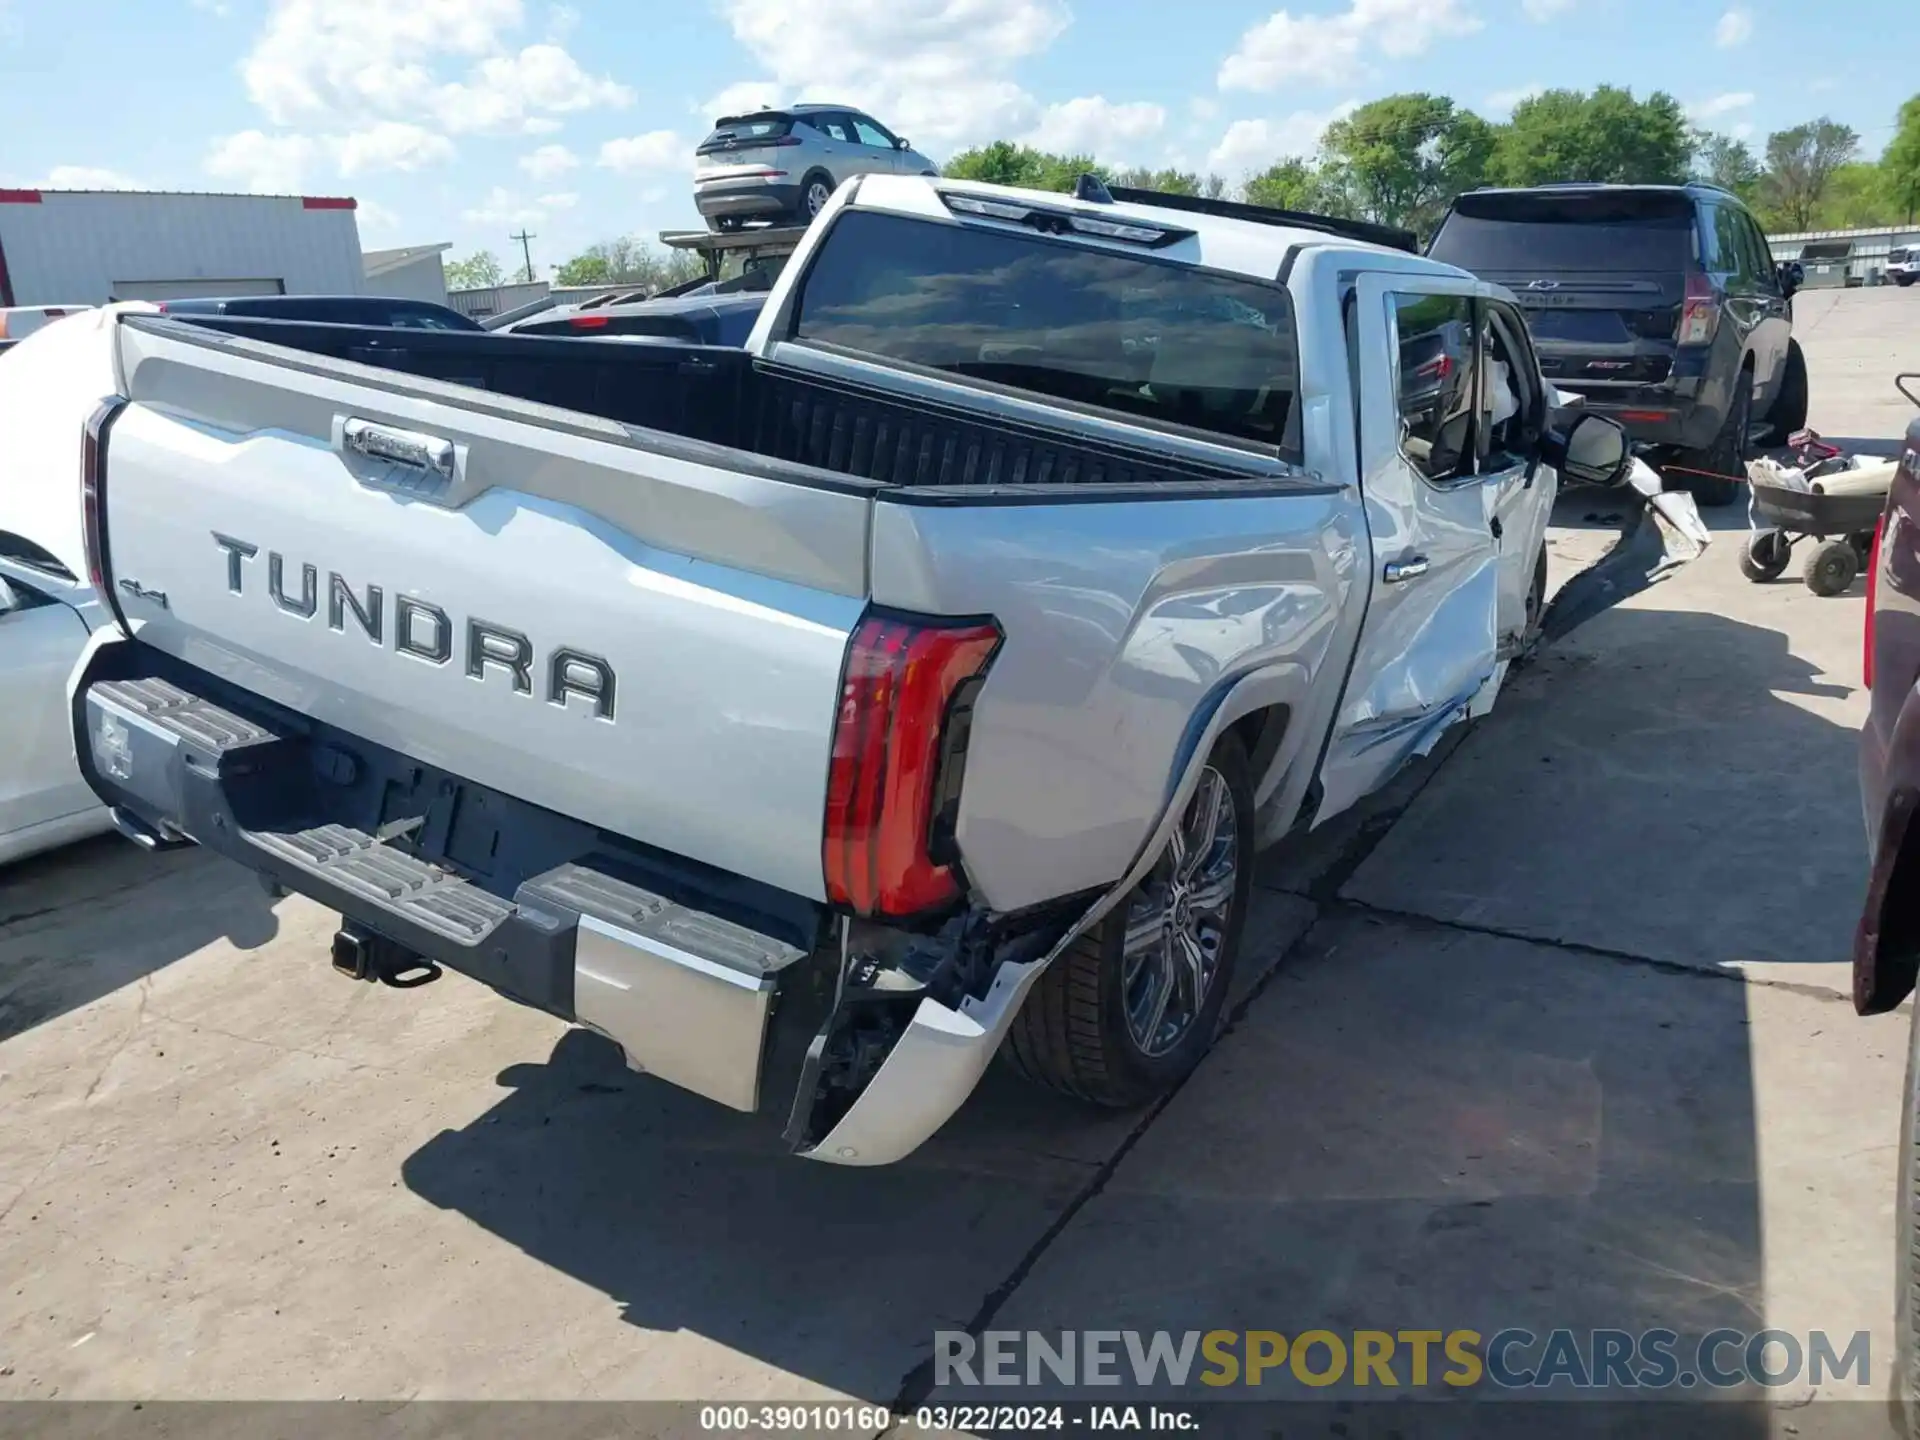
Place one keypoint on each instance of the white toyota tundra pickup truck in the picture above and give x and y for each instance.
(818, 719)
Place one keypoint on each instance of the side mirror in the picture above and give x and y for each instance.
(1792, 276)
(901, 142)
(1593, 450)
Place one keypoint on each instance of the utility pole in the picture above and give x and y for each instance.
(525, 253)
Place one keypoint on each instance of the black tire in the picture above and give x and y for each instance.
(1714, 474)
(815, 190)
(1536, 602)
(1906, 1246)
(1903, 281)
(1789, 411)
(1831, 568)
(1764, 557)
(1077, 1032)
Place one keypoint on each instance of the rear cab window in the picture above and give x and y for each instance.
(1536, 232)
(1134, 335)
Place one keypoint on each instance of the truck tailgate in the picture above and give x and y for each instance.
(628, 632)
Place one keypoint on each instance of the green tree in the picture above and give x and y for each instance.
(479, 271)
(1402, 158)
(1297, 184)
(1603, 136)
(1005, 163)
(1729, 163)
(1856, 198)
(627, 260)
(1173, 182)
(1900, 166)
(1800, 167)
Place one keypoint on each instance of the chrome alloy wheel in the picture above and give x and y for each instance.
(1178, 921)
(818, 193)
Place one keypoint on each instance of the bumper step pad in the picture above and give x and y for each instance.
(391, 879)
(188, 716)
(621, 906)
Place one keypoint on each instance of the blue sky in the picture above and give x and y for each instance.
(464, 120)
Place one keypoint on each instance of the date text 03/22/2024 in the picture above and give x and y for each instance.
(941, 1419)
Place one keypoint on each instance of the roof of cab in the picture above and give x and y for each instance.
(1253, 248)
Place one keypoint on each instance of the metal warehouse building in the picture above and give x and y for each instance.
(1835, 258)
(85, 247)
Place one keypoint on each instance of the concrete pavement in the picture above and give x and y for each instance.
(1552, 1034)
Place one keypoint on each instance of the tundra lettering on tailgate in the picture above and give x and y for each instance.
(424, 631)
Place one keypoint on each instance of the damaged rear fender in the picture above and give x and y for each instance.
(945, 1049)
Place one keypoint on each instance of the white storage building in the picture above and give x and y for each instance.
(412, 272)
(86, 247)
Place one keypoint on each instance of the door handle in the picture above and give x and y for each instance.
(1401, 570)
(398, 447)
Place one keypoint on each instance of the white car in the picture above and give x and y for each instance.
(47, 607)
(19, 321)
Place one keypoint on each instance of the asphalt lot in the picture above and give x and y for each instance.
(1554, 1035)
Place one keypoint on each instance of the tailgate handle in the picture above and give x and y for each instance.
(399, 447)
(1400, 571)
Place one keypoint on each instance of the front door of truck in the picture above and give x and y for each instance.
(1429, 653)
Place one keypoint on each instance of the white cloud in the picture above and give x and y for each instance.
(502, 207)
(262, 163)
(1735, 28)
(1251, 145)
(939, 71)
(566, 200)
(217, 8)
(337, 63)
(1541, 11)
(1502, 101)
(375, 218)
(1094, 125)
(1742, 131)
(549, 161)
(655, 150)
(1719, 105)
(540, 125)
(505, 89)
(1203, 107)
(741, 98)
(389, 145)
(1331, 49)
(85, 177)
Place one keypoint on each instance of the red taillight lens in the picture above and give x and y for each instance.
(1700, 314)
(785, 140)
(1873, 587)
(890, 765)
(589, 322)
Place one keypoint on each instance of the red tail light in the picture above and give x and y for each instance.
(589, 322)
(1700, 314)
(899, 743)
(1873, 587)
(93, 496)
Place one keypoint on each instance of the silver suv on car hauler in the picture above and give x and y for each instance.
(819, 718)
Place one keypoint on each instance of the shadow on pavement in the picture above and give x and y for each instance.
(78, 923)
(1413, 1124)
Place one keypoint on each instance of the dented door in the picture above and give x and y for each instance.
(1428, 650)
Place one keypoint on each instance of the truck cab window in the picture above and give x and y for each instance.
(1438, 366)
(1511, 408)
(1168, 344)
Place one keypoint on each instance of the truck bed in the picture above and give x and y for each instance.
(723, 396)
